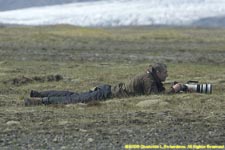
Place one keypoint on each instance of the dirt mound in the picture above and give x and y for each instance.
(26, 80)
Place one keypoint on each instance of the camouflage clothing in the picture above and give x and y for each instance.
(143, 84)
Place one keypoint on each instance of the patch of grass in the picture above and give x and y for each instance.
(87, 57)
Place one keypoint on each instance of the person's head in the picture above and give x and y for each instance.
(160, 70)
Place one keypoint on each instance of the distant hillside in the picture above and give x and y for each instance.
(211, 22)
(18, 4)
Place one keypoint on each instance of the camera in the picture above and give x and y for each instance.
(194, 86)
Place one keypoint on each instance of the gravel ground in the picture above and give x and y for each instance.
(56, 128)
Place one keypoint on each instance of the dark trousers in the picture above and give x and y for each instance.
(102, 92)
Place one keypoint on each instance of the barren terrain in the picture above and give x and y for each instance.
(77, 59)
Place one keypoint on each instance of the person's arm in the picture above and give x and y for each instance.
(176, 88)
(150, 87)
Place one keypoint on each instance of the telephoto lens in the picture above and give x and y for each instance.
(200, 88)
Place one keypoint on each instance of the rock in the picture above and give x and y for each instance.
(62, 123)
(55, 139)
(13, 123)
(128, 131)
(148, 103)
(163, 104)
(63, 147)
(90, 140)
(82, 130)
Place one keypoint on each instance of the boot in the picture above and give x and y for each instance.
(34, 94)
(33, 101)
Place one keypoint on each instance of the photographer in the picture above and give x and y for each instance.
(147, 83)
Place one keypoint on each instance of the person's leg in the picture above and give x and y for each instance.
(50, 93)
(61, 99)
(38, 98)
(33, 101)
(101, 93)
(51, 100)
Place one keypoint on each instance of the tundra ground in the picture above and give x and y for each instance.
(77, 59)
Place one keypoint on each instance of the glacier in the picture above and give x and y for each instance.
(117, 13)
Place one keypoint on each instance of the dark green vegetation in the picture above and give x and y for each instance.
(86, 57)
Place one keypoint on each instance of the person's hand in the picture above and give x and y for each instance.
(177, 87)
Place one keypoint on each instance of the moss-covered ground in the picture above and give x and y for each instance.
(87, 57)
